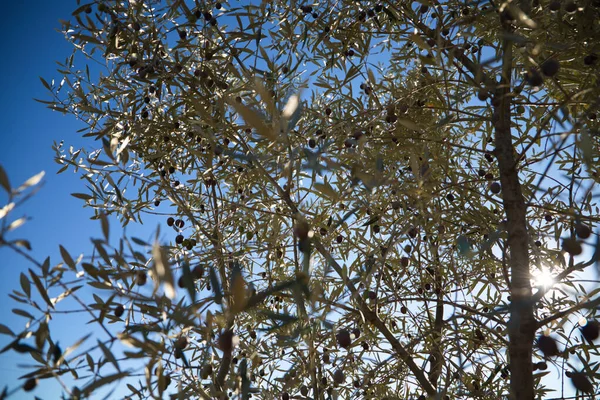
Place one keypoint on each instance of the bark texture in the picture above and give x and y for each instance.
(522, 324)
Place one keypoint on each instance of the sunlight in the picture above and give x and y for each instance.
(542, 276)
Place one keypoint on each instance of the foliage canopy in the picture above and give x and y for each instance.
(358, 197)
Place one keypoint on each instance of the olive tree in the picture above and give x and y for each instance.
(361, 198)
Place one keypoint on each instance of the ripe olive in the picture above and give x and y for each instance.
(570, 6)
(572, 246)
(534, 78)
(495, 187)
(206, 371)
(591, 330)
(343, 338)
(198, 271)
(550, 67)
(119, 310)
(339, 377)
(583, 231)
(590, 59)
(581, 382)
(547, 346)
(141, 278)
(30, 384)
(413, 232)
(181, 343)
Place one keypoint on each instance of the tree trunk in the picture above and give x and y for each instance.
(437, 353)
(521, 327)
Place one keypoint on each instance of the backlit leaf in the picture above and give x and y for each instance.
(4, 180)
(40, 288)
(162, 270)
(67, 257)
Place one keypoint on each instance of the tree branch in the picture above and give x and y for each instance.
(379, 324)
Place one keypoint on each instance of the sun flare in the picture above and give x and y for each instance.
(542, 276)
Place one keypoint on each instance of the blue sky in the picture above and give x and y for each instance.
(31, 47)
